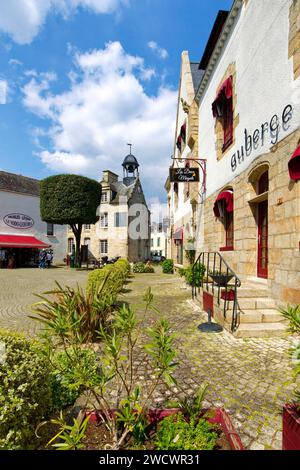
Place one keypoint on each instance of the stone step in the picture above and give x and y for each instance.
(261, 316)
(248, 291)
(253, 303)
(260, 330)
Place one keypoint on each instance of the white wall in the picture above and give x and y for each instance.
(264, 85)
(162, 246)
(30, 206)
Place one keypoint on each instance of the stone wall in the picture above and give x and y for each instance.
(284, 223)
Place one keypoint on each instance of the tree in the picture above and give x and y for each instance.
(72, 200)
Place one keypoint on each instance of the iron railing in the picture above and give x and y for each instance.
(220, 280)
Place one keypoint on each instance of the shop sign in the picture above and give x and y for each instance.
(184, 175)
(18, 221)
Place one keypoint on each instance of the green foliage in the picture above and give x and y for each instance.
(142, 268)
(292, 315)
(71, 371)
(168, 266)
(195, 278)
(69, 199)
(25, 391)
(192, 406)
(72, 314)
(113, 275)
(72, 436)
(175, 433)
(181, 272)
(190, 251)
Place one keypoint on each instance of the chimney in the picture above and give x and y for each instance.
(109, 177)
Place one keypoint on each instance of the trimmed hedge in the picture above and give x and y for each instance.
(114, 276)
(142, 268)
(168, 266)
(25, 391)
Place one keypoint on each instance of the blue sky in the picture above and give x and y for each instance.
(81, 78)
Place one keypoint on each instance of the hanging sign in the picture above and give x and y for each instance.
(184, 175)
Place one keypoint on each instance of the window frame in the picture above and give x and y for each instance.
(50, 231)
(105, 215)
(105, 241)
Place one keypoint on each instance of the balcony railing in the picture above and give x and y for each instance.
(220, 280)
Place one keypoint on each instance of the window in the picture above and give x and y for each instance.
(263, 183)
(104, 196)
(104, 220)
(228, 224)
(71, 245)
(103, 247)
(158, 241)
(87, 226)
(179, 251)
(50, 229)
(222, 109)
(152, 242)
(223, 209)
(120, 219)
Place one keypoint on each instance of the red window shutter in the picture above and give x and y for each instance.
(228, 123)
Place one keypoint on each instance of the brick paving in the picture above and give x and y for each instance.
(249, 377)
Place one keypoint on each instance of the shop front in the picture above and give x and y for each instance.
(20, 251)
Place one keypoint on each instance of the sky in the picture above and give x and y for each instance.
(79, 79)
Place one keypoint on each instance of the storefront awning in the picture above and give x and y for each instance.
(21, 241)
(178, 234)
(224, 92)
(226, 196)
(294, 165)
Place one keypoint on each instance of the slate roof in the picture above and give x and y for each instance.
(196, 74)
(19, 184)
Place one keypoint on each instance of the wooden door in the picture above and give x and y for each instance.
(262, 258)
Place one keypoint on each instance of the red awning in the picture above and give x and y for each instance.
(178, 234)
(294, 165)
(226, 196)
(225, 91)
(21, 241)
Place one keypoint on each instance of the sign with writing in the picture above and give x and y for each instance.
(19, 221)
(184, 175)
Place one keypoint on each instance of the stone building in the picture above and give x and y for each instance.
(158, 239)
(22, 232)
(183, 198)
(123, 228)
(249, 114)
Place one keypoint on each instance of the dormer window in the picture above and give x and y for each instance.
(104, 196)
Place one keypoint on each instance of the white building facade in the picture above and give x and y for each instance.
(22, 232)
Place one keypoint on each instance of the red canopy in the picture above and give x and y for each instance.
(294, 165)
(226, 196)
(21, 241)
(178, 235)
(225, 91)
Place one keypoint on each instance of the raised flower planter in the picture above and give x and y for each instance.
(291, 427)
(221, 279)
(216, 416)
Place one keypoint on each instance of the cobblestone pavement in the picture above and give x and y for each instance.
(17, 289)
(248, 377)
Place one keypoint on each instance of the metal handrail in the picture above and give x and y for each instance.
(214, 265)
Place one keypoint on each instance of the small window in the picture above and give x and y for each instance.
(152, 242)
(87, 226)
(104, 220)
(103, 247)
(71, 245)
(104, 196)
(50, 230)
(158, 241)
(120, 219)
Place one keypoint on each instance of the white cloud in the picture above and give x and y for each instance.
(3, 91)
(162, 53)
(105, 107)
(22, 19)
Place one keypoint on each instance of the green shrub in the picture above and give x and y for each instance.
(195, 279)
(168, 266)
(142, 268)
(114, 276)
(70, 372)
(25, 391)
(175, 433)
(181, 272)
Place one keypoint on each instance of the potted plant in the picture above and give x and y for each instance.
(221, 278)
(125, 419)
(291, 411)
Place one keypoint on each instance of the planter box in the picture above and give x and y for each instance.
(219, 416)
(291, 427)
(221, 279)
